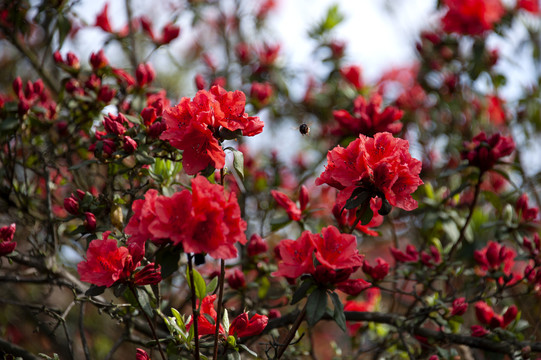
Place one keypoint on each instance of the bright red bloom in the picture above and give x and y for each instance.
(486, 315)
(337, 251)
(7, 245)
(296, 256)
(472, 17)
(353, 75)
(144, 74)
(144, 213)
(459, 306)
(529, 5)
(496, 111)
(106, 263)
(367, 118)
(494, 255)
(242, 326)
(378, 271)
(204, 326)
(381, 166)
(485, 152)
(102, 20)
(284, 201)
(194, 126)
(215, 224)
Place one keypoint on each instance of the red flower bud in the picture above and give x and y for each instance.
(377, 272)
(7, 232)
(484, 312)
(98, 60)
(169, 33)
(130, 145)
(142, 355)
(459, 306)
(256, 245)
(90, 222)
(509, 315)
(236, 279)
(200, 82)
(106, 94)
(241, 326)
(149, 275)
(71, 205)
(304, 197)
(478, 331)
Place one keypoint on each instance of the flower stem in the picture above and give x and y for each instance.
(291, 334)
(149, 323)
(470, 215)
(195, 312)
(219, 311)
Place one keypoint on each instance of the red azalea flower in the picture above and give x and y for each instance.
(106, 263)
(169, 33)
(367, 118)
(472, 17)
(378, 271)
(215, 223)
(7, 245)
(144, 213)
(194, 126)
(353, 287)
(485, 152)
(102, 20)
(284, 201)
(204, 326)
(459, 306)
(337, 251)
(494, 255)
(529, 5)
(296, 256)
(486, 315)
(242, 326)
(353, 75)
(382, 166)
(262, 92)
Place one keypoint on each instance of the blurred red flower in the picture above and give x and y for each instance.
(472, 17)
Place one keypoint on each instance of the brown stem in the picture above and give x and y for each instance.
(219, 311)
(195, 312)
(291, 334)
(131, 36)
(149, 323)
(470, 215)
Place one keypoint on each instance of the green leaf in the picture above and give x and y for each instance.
(316, 306)
(143, 158)
(333, 18)
(178, 317)
(9, 124)
(301, 291)
(278, 223)
(64, 27)
(119, 289)
(338, 315)
(238, 163)
(144, 300)
(200, 286)
(82, 163)
(367, 215)
(245, 348)
(212, 285)
(225, 321)
(264, 286)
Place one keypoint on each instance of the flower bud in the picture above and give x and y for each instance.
(236, 279)
(130, 145)
(71, 205)
(90, 222)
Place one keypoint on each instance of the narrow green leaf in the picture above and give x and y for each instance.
(200, 286)
(338, 315)
(212, 285)
(144, 300)
(316, 306)
(238, 163)
(245, 348)
(301, 291)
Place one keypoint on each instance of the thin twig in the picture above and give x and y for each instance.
(82, 331)
(220, 306)
(291, 334)
(149, 320)
(195, 311)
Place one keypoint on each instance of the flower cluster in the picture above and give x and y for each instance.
(472, 17)
(429, 259)
(493, 256)
(486, 315)
(336, 254)
(106, 263)
(484, 152)
(198, 126)
(380, 166)
(204, 221)
(368, 118)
